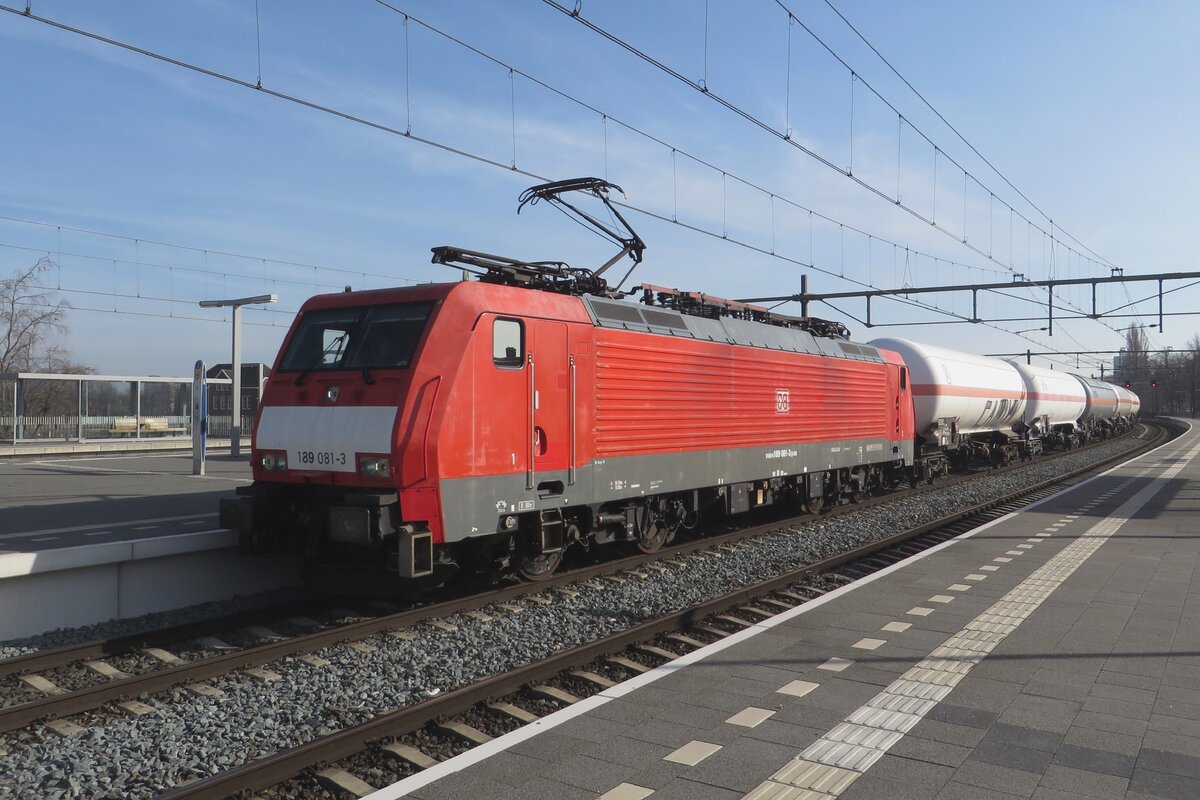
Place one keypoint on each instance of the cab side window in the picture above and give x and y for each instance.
(508, 343)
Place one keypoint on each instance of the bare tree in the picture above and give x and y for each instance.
(31, 321)
(1135, 361)
(1193, 379)
(1135, 348)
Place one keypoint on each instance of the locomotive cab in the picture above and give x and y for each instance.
(394, 416)
(334, 432)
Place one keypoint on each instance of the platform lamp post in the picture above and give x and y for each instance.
(235, 429)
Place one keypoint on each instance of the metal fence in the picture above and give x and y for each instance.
(41, 407)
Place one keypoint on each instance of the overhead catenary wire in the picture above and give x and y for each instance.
(725, 175)
(196, 249)
(205, 272)
(575, 13)
(459, 151)
(407, 134)
(921, 97)
(675, 150)
(184, 317)
(439, 145)
(953, 129)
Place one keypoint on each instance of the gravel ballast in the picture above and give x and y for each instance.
(190, 737)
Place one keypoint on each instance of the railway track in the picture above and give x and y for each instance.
(164, 670)
(565, 677)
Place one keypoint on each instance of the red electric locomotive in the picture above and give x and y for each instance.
(490, 424)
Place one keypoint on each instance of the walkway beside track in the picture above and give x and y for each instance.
(1053, 654)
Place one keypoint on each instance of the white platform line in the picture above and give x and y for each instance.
(114, 470)
(181, 453)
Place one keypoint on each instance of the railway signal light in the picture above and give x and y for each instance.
(1128, 384)
(1153, 384)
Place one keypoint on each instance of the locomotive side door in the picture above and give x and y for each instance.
(550, 411)
(498, 442)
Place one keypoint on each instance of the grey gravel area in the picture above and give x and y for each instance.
(13, 692)
(191, 737)
(135, 663)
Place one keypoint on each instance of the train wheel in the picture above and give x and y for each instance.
(541, 566)
(653, 538)
(814, 505)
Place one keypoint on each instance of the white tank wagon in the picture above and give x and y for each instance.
(1055, 402)
(1135, 405)
(964, 405)
(1104, 400)
(1127, 407)
(1110, 407)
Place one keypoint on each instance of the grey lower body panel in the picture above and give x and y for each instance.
(474, 506)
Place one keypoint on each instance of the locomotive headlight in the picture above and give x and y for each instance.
(374, 466)
(273, 460)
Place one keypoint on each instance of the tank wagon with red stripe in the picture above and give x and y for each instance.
(1055, 403)
(968, 407)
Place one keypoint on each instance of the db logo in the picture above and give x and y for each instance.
(783, 401)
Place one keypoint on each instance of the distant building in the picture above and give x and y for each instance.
(220, 395)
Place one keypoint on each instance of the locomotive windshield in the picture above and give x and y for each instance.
(372, 337)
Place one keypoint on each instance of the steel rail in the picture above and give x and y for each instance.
(278, 767)
(125, 643)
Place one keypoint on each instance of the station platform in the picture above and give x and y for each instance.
(1052, 654)
(88, 538)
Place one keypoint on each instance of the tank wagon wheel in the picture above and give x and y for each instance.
(814, 505)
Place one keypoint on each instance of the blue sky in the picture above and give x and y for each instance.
(203, 189)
